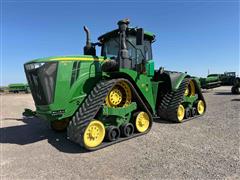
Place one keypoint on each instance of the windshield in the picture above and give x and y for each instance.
(136, 52)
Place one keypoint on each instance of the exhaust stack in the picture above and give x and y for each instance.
(123, 56)
(89, 49)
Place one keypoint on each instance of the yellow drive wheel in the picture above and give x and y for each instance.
(94, 134)
(59, 125)
(200, 107)
(186, 93)
(119, 96)
(190, 90)
(142, 122)
(180, 112)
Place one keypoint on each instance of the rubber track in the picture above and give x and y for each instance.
(167, 109)
(89, 109)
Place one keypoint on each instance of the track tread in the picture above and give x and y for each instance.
(89, 109)
(169, 104)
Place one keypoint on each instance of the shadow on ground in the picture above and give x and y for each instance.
(35, 130)
(162, 121)
(235, 99)
(223, 93)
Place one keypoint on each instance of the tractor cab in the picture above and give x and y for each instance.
(128, 47)
(137, 52)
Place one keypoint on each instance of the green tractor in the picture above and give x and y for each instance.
(102, 100)
(228, 78)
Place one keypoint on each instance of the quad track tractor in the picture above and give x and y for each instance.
(102, 100)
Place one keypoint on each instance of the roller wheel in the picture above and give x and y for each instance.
(180, 113)
(113, 133)
(194, 112)
(59, 125)
(127, 130)
(94, 134)
(187, 113)
(142, 121)
(200, 107)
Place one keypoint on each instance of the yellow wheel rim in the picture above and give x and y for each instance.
(142, 122)
(94, 134)
(119, 96)
(200, 107)
(180, 112)
(190, 90)
(186, 93)
(115, 97)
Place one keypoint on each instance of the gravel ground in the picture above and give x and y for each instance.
(205, 148)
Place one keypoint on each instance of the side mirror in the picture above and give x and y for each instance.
(140, 36)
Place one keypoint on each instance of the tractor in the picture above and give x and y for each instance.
(228, 78)
(106, 99)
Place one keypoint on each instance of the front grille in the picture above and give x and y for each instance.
(42, 79)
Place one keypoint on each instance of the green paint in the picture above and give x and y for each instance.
(175, 84)
(150, 68)
(119, 116)
(144, 84)
(67, 96)
(155, 91)
(121, 111)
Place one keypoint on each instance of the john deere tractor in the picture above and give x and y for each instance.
(102, 100)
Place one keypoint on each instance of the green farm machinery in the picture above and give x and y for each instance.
(211, 81)
(19, 87)
(102, 100)
(228, 78)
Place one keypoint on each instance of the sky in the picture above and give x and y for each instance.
(193, 36)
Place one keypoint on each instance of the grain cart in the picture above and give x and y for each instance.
(102, 100)
(19, 87)
(236, 86)
(211, 81)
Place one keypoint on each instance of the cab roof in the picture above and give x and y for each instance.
(132, 31)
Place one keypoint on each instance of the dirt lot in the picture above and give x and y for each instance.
(204, 148)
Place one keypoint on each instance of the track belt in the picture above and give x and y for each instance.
(169, 104)
(90, 107)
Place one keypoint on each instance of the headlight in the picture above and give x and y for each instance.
(33, 66)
